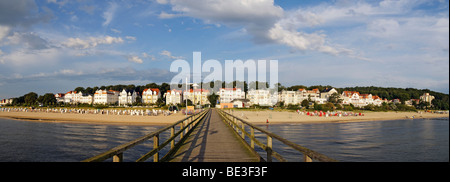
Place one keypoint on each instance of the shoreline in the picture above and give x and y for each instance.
(254, 117)
(287, 117)
(93, 118)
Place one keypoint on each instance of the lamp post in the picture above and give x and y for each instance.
(194, 85)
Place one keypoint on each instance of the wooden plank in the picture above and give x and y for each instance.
(213, 141)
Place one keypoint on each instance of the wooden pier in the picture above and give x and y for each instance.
(214, 141)
(210, 136)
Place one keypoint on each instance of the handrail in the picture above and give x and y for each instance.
(308, 154)
(117, 152)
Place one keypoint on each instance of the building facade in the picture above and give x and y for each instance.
(106, 97)
(173, 97)
(151, 95)
(197, 96)
(228, 94)
(127, 98)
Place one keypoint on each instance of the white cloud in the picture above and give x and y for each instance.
(130, 37)
(384, 28)
(4, 31)
(108, 15)
(116, 31)
(29, 40)
(164, 15)
(162, 1)
(169, 54)
(91, 42)
(135, 59)
(145, 55)
(262, 19)
(31, 58)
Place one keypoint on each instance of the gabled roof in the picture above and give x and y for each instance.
(349, 93)
(152, 89)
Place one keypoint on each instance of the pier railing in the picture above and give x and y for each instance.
(239, 125)
(185, 126)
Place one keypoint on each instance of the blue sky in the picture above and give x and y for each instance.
(51, 46)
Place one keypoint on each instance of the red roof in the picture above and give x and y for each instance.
(152, 89)
(234, 89)
(350, 93)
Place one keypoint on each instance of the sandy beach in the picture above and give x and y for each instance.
(94, 118)
(257, 117)
(280, 117)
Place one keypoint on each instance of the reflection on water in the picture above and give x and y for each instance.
(397, 140)
(34, 141)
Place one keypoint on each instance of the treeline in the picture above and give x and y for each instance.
(440, 102)
(33, 99)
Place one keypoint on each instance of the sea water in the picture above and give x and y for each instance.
(410, 140)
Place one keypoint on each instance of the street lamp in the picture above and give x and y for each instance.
(194, 85)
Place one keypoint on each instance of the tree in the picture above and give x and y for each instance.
(305, 103)
(31, 98)
(213, 99)
(79, 89)
(335, 98)
(49, 99)
(160, 102)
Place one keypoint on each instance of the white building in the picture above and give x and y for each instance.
(365, 99)
(360, 100)
(288, 97)
(85, 98)
(5, 101)
(303, 94)
(127, 98)
(60, 97)
(173, 97)
(326, 93)
(426, 97)
(229, 94)
(296, 97)
(197, 96)
(74, 97)
(260, 97)
(151, 95)
(106, 97)
(350, 97)
(71, 97)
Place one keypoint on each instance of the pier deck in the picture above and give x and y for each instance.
(213, 141)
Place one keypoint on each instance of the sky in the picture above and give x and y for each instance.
(54, 46)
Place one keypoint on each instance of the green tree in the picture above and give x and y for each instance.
(335, 98)
(79, 89)
(213, 99)
(31, 98)
(49, 99)
(305, 103)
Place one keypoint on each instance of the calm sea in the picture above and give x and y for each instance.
(418, 140)
(399, 140)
